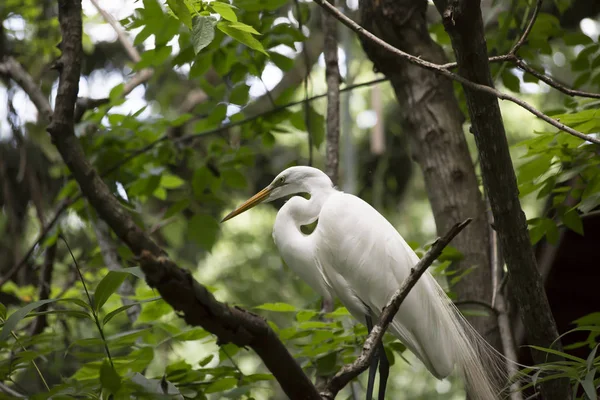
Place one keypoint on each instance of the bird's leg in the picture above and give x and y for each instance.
(384, 371)
(374, 361)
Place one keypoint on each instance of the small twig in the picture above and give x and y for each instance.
(350, 371)
(553, 82)
(187, 138)
(121, 35)
(527, 30)
(441, 70)
(91, 302)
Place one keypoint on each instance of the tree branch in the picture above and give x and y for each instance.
(121, 35)
(521, 41)
(83, 104)
(462, 20)
(351, 371)
(332, 76)
(440, 69)
(177, 287)
(13, 69)
(182, 139)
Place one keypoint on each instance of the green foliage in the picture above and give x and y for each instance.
(176, 170)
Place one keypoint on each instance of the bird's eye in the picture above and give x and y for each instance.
(282, 180)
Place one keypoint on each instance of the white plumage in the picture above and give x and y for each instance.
(356, 255)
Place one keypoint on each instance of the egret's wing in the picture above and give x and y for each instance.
(365, 261)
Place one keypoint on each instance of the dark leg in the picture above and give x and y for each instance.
(374, 361)
(384, 371)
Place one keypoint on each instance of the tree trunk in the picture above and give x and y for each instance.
(433, 121)
(463, 22)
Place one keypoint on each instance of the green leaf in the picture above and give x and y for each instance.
(282, 62)
(588, 385)
(2, 311)
(326, 364)
(107, 286)
(204, 362)
(176, 208)
(221, 385)
(154, 57)
(280, 307)
(534, 168)
(241, 36)
(559, 353)
(591, 357)
(511, 82)
(234, 178)
(225, 10)
(109, 379)
(240, 26)
(116, 312)
(171, 181)
(203, 230)
(573, 221)
(18, 315)
(181, 11)
(203, 32)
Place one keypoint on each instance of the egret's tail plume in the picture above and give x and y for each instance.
(482, 368)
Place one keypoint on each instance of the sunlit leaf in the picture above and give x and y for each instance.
(280, 307)
(225, 10)
(203, 32)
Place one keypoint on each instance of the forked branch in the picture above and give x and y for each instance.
(442, 70)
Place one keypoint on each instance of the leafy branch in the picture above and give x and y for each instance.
(196, 304)
(182, 139)
(443, 70)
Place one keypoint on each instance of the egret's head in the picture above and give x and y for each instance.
(294, 180)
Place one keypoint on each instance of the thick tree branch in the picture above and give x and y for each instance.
(432, 120)
(332, 76)
(195, 303)
(439, 69)
(351, 371)
(463, 21)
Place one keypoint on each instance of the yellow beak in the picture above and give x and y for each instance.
(248, 204)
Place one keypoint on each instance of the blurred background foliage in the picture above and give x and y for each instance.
(211, 122)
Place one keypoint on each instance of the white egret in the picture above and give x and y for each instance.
(355, 254)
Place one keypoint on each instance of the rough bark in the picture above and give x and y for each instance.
(433, 121)
(463, 22)
(332, 76)
(177, 287)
